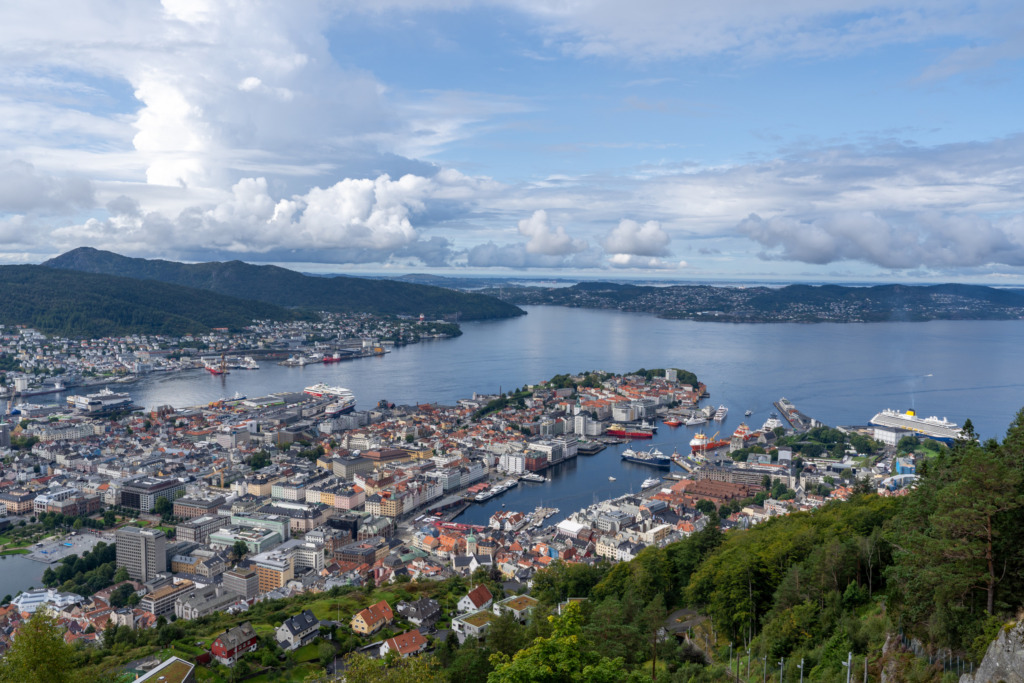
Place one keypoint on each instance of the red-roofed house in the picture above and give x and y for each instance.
(409, 643)
(373, 618)
(477, 599)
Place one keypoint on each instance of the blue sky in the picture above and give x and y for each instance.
(794, 140)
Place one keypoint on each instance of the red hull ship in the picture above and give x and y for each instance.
(630, 432)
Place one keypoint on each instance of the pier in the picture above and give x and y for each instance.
(794, 417)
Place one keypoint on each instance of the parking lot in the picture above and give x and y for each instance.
(55, 549)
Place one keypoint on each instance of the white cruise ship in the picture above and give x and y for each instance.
(345, 399)
(104, 401)
(929, 427)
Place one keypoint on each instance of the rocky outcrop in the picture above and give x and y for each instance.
(1004, 660)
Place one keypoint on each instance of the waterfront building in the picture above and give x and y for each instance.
(31, 600)
(142, 552)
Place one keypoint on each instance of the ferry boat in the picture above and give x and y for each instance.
(720, 413)
(654, 458)
(534, 477)
(644, 432)
(700, 443)
(696, 420)
(345, 399)
(928, 427)
(649, 483)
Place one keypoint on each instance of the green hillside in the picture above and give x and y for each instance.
(75, 304)
(284, 287)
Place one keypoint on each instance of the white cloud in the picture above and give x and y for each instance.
(544, 240)
(928, 240)
(24, 189)
(633, 238)
(644, 262)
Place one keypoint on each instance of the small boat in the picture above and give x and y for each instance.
(611, 478)
(672, 422)
(748, 413)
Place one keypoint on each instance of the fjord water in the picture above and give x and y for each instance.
(837, 373)
(841, 374)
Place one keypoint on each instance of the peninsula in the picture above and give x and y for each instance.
(793, 303)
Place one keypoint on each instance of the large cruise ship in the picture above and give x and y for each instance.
(105, 401)
(930, 427)
(344, 402)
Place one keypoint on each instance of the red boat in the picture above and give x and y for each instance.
(672, 422)
(630, 432)
(216, 371)
(332, 359)
(701, 443)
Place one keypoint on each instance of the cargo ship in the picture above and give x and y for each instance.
(654, 458)
(929, 427)
(630, 432)
(344, 402)
(700, 443)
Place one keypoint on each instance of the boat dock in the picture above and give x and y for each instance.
(794, 417)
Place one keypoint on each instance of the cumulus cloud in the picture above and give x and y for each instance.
(516, 255)
(644, 262)
(631, 237)
(353, 221)
(24, 189)
(544, 240)
(929, 239)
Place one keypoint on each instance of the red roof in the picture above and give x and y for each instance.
(480, 596)
(407, 643)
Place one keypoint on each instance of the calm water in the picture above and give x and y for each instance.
(18, 573)
(839, 374)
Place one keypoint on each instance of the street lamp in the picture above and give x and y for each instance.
(801, 667)
(782, 664)
(849, 665)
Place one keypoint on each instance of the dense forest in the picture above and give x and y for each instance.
(283, 287)
(88, 305)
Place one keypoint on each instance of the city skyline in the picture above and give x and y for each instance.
(669, 140)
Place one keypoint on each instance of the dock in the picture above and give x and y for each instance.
(789, 412)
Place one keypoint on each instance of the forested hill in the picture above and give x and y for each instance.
(90, 305)
(271, 284)
(793, 303)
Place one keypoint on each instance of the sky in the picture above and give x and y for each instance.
(793, 140)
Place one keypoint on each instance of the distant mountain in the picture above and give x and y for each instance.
(271, 284)
(89, 305)
(794, 303)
